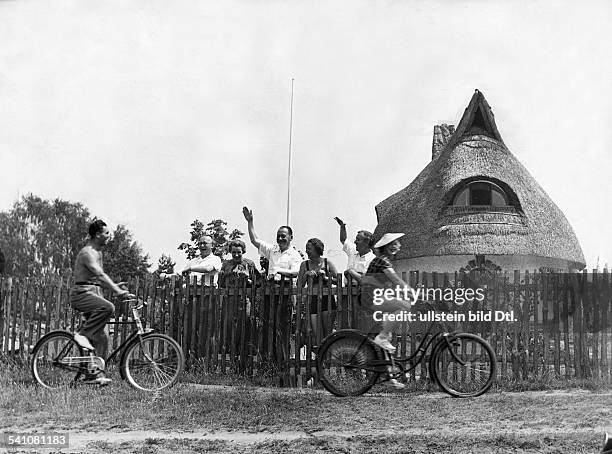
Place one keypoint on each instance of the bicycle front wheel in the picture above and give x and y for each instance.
(153, 362)
(51, 365)
(464, 365)
(346, 364)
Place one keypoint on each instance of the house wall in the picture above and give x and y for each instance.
(452, 263)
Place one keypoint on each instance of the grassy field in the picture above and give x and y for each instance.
(569, 421)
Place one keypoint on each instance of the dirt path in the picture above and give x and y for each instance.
(82, 441)
(428, 395)
(79, 441)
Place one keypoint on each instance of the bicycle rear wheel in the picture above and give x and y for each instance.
(153, 362)
(346, 364)
(48, 365)
(465, 366)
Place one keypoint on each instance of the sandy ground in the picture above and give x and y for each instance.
(80, 440)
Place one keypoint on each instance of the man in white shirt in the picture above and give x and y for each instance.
(207, 266)
(359, 252)
(284, 261)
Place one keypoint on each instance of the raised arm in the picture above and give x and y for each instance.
(342, 229)
(248, 215)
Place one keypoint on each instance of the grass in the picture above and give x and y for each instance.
(416, 421)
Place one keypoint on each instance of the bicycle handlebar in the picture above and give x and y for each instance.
(139, 303)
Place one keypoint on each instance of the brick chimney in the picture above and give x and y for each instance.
(441, 135)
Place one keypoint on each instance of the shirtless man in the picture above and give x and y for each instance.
(86, 296)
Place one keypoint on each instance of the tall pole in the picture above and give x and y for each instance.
(290, 151)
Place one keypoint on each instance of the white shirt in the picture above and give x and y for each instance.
(356, 262)
(290, 259)
(211, 260)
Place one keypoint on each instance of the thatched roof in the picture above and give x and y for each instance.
(475, 151)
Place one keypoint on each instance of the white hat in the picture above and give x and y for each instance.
(388, 238)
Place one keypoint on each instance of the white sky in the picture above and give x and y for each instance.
(154, 113)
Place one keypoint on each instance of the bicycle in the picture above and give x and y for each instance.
(349, 363)
(150, 361)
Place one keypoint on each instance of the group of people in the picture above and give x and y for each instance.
(365, 268)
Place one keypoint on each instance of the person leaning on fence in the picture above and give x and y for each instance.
(236, 273)
(86, 297)
(359, 252)
(238, 268)
(319, 269)
(206, 267)
(283, 261)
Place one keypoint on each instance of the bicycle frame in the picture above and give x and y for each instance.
(381, 366)
(140, 330)
(80, 363)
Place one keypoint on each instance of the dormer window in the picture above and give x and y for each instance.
(481, 193)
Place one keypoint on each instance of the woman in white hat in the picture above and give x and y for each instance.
(382, 275)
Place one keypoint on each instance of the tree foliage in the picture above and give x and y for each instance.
(40, 237)
(165, 264)
(217, 230)
(123, 257)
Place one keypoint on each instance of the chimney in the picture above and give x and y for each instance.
(441, 135)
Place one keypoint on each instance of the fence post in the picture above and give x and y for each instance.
(584, 348)
(605, 317)
(595, 324)
(607, 296)
(6, 310)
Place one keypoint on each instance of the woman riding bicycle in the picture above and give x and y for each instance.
(381, 275)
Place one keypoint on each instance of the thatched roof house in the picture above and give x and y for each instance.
(476, 199)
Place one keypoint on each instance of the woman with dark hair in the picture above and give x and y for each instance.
(238, 266)
(235, 273)
(318, 268)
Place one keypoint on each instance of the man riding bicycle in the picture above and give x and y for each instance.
(86, 297)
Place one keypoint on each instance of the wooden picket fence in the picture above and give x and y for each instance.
(561, 325)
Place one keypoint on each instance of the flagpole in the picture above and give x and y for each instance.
(290, 152)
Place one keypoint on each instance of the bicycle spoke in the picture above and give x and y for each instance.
(466, 366)
(52, 364)
(153, 363)
(345, 366)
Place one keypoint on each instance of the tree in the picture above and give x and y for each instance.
(165, 265)
(123, 257)
(41, 237)
(216, 229)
